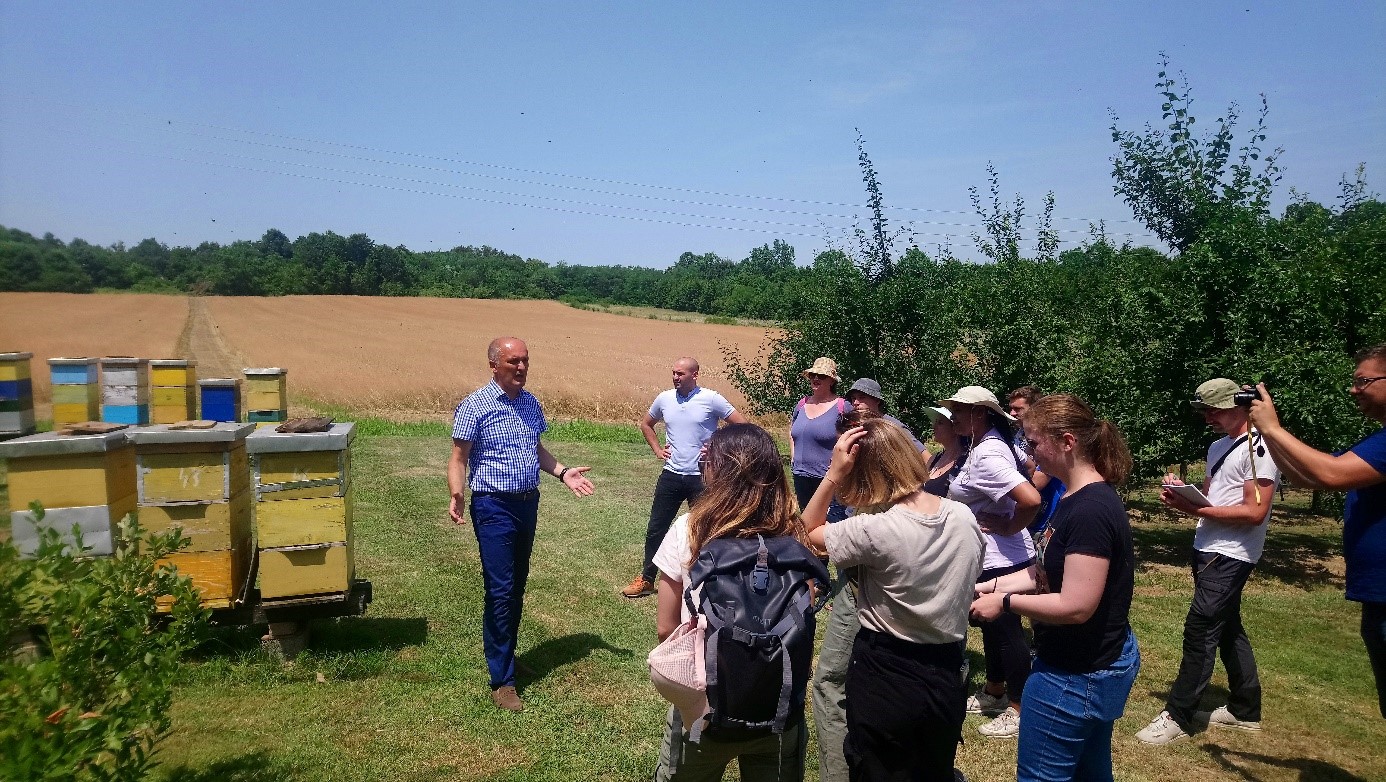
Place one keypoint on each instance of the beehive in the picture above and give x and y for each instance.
(76, 392)
(125, 390)
(173, 390)
(87, 480)
(266, 394)
(303, 510)
(198, 480)
(221, 398)
(16, 395)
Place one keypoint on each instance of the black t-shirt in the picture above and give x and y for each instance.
(1089, 521)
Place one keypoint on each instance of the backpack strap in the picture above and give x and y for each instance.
(1218, 464)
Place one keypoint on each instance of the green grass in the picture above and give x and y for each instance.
(401, 693)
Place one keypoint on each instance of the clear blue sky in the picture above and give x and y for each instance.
(544, 128)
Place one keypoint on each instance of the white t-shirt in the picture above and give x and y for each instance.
(1238, 541)
(983, 485)
(917, 571)
(672, 560)
(688, 423)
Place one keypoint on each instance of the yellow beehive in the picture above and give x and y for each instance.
(303, 513)
(76, 390)
(172, 372)
(198, 481)
(84, 479)
(266, 389)
(305, 570)
(14, 366)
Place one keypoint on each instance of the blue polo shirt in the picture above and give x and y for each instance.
(688, 423)
(1364, 527)
(504, 434)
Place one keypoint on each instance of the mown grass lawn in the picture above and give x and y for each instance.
(401, 694)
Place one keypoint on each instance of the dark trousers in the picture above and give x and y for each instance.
(1004, 646)
(804, 488)
(1214, 627)
(504, 526)
(1374, 635)
(671, 491)
(905, 708)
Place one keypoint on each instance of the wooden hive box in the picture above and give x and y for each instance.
(76, 392)
(16, 395)
(266, 389)
(303, 510)
(170, 372)
(125, 371)
(221, 398)
(198, 481)
(86, 480)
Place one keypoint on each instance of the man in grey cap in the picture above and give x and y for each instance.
(866, 396)
(1239, 487)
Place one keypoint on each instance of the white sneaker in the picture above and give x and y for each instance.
(1005, 726)
(1162, 730)
(1223, 718)
(986, 703)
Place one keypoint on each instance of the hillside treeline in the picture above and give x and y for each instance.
(766, 284)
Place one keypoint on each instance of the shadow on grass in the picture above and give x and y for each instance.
(250, 767)
(1295, 556)
(354, 634)
(555, 653)
(1310, 769)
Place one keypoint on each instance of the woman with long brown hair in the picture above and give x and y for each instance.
(1087, 656)
(746, 494)
(916, 557)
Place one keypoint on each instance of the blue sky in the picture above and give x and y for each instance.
(628, 133)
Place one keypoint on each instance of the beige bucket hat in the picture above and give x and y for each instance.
(976, 395)
(822, 366)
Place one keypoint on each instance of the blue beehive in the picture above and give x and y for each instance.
(221, 398)
(135, 415)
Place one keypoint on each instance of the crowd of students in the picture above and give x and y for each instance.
(1016, 516)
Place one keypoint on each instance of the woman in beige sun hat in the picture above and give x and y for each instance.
(813, 431)
(992, 484)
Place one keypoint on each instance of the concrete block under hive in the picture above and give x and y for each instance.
(221, 398)
(198, 481)
(76, 392)
(84, 479)
(173, 390)
(16, 395)
(125, 390)
(303, 511)
(266, 394)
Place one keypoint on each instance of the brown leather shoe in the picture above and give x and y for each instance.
(638, 587)
(506, 698)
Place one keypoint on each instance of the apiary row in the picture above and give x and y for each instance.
(238, 492)
(137, 391)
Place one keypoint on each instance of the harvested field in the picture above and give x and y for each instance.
(73, 324)
(411, 358)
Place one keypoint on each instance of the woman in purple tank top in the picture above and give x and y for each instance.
(813, 430)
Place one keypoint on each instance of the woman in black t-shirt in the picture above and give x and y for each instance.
(1087, 658)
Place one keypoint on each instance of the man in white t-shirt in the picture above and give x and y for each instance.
(1240, 485)
(690, 414)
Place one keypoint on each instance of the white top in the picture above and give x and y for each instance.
(672, 559)
(917, 571)
(983, 485)
(1238, 541)
(688, 423)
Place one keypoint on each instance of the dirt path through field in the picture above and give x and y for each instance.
(201, 340)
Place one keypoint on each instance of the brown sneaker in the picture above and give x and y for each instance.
(638, 587)
(506, 698)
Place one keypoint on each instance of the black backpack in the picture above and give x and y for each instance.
(758, 644)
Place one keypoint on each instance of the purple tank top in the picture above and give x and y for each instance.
(814, 439)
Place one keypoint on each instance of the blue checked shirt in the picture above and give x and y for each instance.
(504, 434)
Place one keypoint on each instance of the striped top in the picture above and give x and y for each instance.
(504, 434)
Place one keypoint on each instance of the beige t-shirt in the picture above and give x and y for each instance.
(918, 572)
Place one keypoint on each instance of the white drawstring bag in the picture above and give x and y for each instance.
(679, 673)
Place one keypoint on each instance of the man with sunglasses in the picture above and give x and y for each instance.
(1361, 472)
(1239, 487)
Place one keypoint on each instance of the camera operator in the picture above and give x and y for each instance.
(1361, 471)
(1239, 486)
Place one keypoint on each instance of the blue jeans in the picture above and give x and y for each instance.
(504, 526)
(1066, 719)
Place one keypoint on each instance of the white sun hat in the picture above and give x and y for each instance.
(976, 395)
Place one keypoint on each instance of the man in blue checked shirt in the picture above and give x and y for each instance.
(497, 454)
